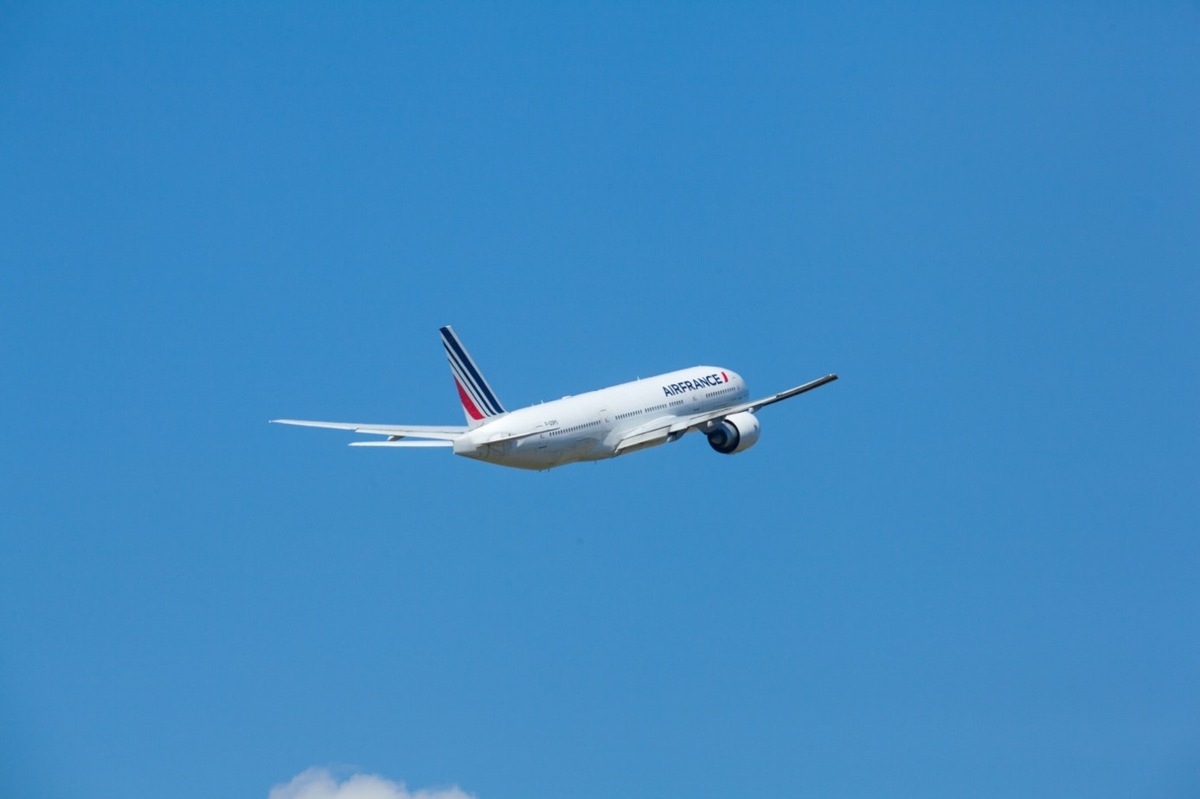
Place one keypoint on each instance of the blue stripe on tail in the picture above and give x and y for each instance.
(469, 374)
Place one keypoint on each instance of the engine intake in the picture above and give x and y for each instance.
(736, 433)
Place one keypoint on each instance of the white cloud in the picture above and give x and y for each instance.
(319, 783)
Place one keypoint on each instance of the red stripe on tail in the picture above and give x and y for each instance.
(472, 411)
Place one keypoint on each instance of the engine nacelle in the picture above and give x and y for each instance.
(736, 433)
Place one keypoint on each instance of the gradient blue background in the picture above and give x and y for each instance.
(969, 568)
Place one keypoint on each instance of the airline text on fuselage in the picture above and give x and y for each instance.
(694, 385)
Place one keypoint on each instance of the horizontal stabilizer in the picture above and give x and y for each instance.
(403, 443)
(446, 432)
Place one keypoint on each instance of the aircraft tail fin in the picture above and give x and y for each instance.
(479, 402)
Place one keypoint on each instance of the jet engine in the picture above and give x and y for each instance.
(735, 433)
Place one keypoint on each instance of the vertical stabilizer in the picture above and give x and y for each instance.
(478, 400)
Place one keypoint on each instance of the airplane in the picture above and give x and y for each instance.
(587, 427)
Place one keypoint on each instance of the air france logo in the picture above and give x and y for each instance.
(695, 385)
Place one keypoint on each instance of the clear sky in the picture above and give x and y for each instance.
(969, 568)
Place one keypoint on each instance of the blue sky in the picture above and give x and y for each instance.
(967, 568)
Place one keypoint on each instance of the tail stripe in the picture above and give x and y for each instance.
(478, 400)
(469, 387)
(467, 403)
(467, 370)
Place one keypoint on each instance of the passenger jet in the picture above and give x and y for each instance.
(587, 427)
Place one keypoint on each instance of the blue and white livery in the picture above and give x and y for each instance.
(586, 427)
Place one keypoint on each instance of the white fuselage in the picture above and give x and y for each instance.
(587, 427)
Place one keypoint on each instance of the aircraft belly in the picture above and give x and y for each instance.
(546, 453)
(535, 453)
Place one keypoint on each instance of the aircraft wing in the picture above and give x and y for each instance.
(782, 395)
(672, 429)
(393, 432)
